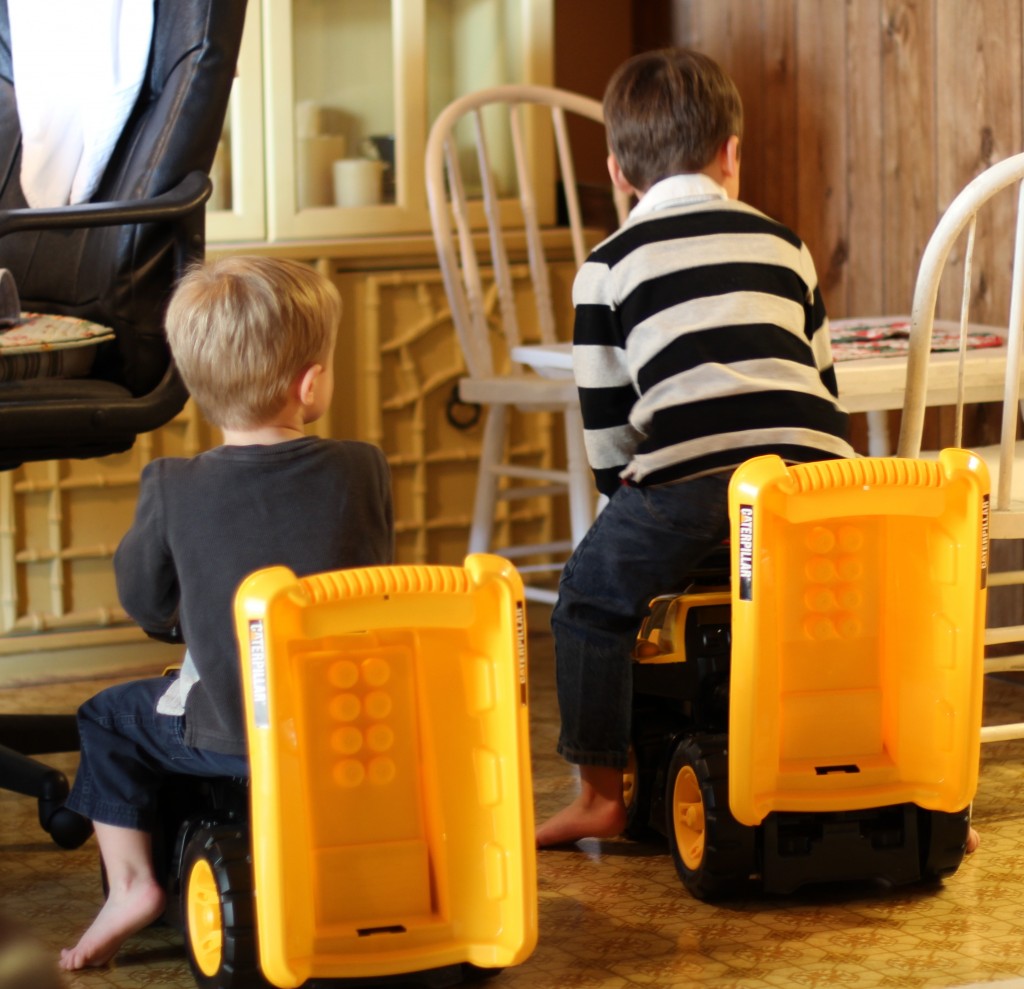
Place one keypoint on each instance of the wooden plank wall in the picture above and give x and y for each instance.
(863, 120)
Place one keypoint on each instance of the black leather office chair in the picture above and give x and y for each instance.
(113, 261)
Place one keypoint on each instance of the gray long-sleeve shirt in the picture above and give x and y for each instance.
(202, 525)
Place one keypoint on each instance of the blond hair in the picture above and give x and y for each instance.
(669, 112)
(242, 329)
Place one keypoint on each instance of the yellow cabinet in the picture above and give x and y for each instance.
(334, 100)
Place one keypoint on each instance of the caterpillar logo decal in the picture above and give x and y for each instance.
(984, 542)
(746, 553)
(258, 674)
(521, 649)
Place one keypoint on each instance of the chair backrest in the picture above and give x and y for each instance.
(962, 217)
(454, 220)
(121, 276)
(988, 237)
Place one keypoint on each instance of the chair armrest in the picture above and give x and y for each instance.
(188, 195)
(173, 635)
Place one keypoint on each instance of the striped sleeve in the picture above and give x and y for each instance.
(818, 332)
(607, 393)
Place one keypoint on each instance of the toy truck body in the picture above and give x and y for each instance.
(390, 822)
(811, 711)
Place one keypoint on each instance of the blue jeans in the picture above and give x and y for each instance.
(644, 543)
(128, 749)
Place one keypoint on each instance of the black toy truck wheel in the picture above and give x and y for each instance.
(713, 853)
(637, 798)
(220, 932)
(943, 842)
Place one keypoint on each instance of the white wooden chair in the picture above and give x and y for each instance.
(473, 250)
(1005, 460)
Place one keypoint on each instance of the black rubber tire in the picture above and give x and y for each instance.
(474, 974)
(713, 853)
(942, 841)
(637, 795)
(226, 852)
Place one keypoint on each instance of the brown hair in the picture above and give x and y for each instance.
(242, 329)
(668, 112)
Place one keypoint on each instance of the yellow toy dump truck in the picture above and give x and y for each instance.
(390, 828)
(810, 711)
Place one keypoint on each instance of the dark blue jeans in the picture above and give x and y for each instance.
(128, 749)
(642, 544)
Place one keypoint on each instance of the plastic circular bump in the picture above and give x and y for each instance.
(713, 853)
(220, 935)
(942, 842)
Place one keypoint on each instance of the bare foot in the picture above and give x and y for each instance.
(124, 913)
(599, 810)
(973, 840)
(583, 819)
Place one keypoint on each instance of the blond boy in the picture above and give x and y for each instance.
(254, 341)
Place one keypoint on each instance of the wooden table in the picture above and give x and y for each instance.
(873, 385)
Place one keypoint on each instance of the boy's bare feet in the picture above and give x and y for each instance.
(578, 821)
(973, 840)
(598, 811)
(125, 912)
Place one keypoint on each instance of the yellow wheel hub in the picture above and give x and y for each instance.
(205, 923)
(688, 818)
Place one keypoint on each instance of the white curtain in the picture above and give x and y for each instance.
(78, 66)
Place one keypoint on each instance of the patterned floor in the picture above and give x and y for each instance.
(613, 914)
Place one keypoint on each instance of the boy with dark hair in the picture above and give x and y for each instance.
(700, 341)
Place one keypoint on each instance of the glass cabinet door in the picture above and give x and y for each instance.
(473, 44)
(333, 101)
(350, 88)
(235, 210)
(335, 77)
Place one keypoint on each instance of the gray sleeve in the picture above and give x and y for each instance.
(387, 503)
(147, 581)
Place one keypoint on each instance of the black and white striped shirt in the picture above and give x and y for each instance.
(700, 341)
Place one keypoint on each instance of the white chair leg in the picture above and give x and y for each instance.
(581, 483)
(485, 502)
(878, 433)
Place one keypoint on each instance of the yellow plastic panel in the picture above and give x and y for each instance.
(858, 617)
(392, 806)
